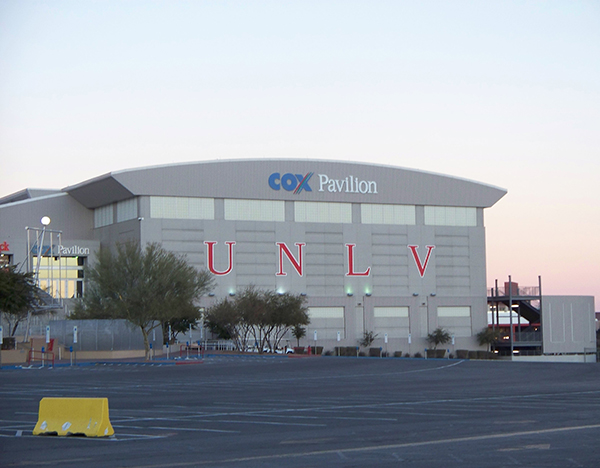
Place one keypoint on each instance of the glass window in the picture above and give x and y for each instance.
(327, 322)
(390, 312)
(388, 214)
(450, 216)
(326, 312)
(103, 216)
(126, 210)
(254, 210)
(318, 212)
(454, 311)
(61, 277)
(182, 208)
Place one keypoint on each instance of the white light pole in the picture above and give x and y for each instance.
(45, 222)
(40, 245)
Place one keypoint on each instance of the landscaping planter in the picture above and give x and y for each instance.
(436, 353)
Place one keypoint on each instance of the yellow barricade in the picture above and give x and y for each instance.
(74, 417)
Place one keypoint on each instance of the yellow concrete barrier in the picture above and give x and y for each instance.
(74, 417)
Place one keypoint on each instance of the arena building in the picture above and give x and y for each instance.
(395, 251)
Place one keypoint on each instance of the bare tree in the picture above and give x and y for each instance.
(263, 316)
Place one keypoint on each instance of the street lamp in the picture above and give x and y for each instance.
(40, 245)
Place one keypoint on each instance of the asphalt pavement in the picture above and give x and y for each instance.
(255, 411)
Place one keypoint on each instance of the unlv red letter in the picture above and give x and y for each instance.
(421, 266)
(210, 255)
(351, 271)
(297, 264)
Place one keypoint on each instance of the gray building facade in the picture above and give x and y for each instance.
(395, 251)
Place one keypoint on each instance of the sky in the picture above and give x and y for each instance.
(501, 92)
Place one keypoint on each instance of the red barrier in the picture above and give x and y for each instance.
(42, 356)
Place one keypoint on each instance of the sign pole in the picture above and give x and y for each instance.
(74, 343)
(385, 338)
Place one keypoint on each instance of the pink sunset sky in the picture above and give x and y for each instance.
(502, 92)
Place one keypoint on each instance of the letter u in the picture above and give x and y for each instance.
(210, 257)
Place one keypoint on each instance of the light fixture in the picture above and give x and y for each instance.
(303, 294)
(232, 294)
(45, 220)
(368, 294)
(349, 294)
(432, 294)
(415, 294)
(211, 294)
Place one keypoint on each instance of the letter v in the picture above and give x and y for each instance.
(421, 266)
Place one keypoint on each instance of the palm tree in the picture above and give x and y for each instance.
(438, 336)
(488, 336)
(298, 332)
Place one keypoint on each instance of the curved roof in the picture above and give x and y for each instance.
(306, 180)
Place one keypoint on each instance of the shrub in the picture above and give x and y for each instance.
(367, 339)
(418, 355)
(397, 353)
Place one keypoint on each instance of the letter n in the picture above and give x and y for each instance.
(284, 250)
(351, 271)
(421, 266)
(210, 257)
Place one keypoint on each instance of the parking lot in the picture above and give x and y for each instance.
(304, 412)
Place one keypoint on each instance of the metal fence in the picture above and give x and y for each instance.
(516, 291)
(102, 335)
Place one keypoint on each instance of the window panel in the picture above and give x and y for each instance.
(182, 208)
(454, 311)
(254, 210)
(327, 322)
(450, 216)
(321, 212)
(326, 312)
(380, 312)
(388, 214)
(126, 210)
(103, 216)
